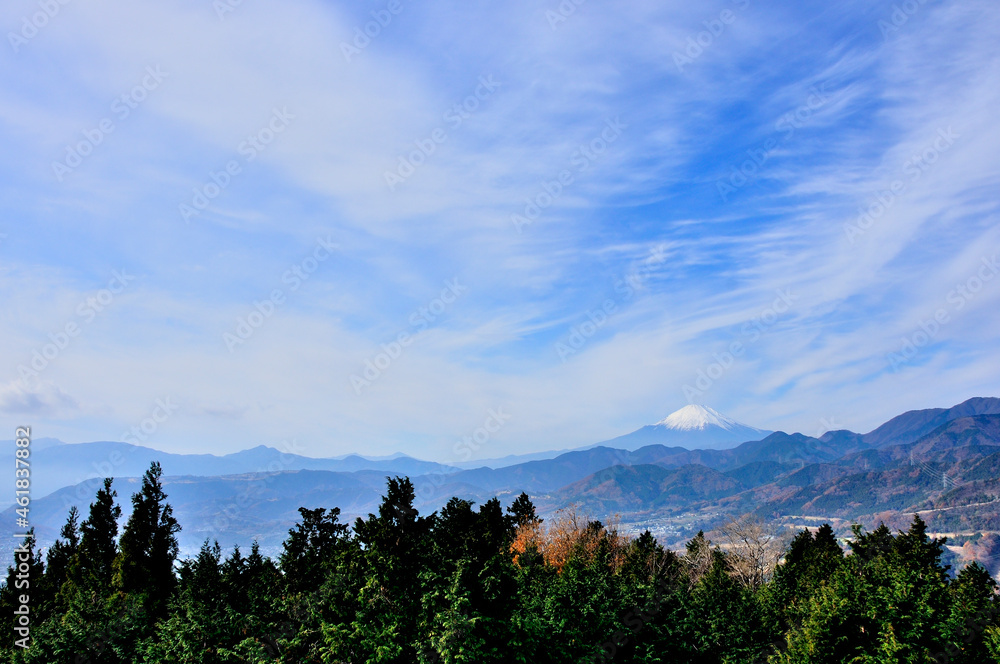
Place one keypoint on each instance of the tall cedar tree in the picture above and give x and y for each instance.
(57, 562)
(93, 567)
(395, 543)
(811, 560)
(316, 592)
(309, 550)
(148, 546)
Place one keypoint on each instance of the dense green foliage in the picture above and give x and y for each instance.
(488, 586)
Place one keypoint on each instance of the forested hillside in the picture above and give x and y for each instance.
(485, 584)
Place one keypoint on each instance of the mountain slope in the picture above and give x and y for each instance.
(959, 458)
(788, 451)
(952, 473)
(644, 487)
(545, 475)
(914, 424)
(951, 442)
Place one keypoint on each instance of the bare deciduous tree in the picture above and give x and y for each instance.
(754, 550)
(698, 558)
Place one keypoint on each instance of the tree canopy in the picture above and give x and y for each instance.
(488, 584)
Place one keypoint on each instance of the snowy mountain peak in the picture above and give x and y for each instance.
(696, 418)
(693, 427)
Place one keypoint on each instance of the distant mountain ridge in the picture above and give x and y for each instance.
(948, 469)
(916, 423)
(58, 464)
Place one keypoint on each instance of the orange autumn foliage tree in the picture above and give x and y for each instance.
(527, 539)
(569, 532)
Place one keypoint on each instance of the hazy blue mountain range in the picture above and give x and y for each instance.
(59, 464)
(930, 460)
(56, 464)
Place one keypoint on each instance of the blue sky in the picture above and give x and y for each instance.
(585, 215)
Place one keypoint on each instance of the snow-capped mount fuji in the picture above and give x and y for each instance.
(694, 427)
(694, 417)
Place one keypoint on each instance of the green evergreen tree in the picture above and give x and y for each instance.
(811, 560)
(319, 565)
(204, 624)
(57, 565)
(148, 547)
(395, 545)
(471, 565)
(974, 607)
(522, 511)
(310, 548)
(728, 618)
(93, 567)
(885, 603)
(23, 579)
(84, 626)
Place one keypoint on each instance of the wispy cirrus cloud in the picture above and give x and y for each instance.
(846, 105)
